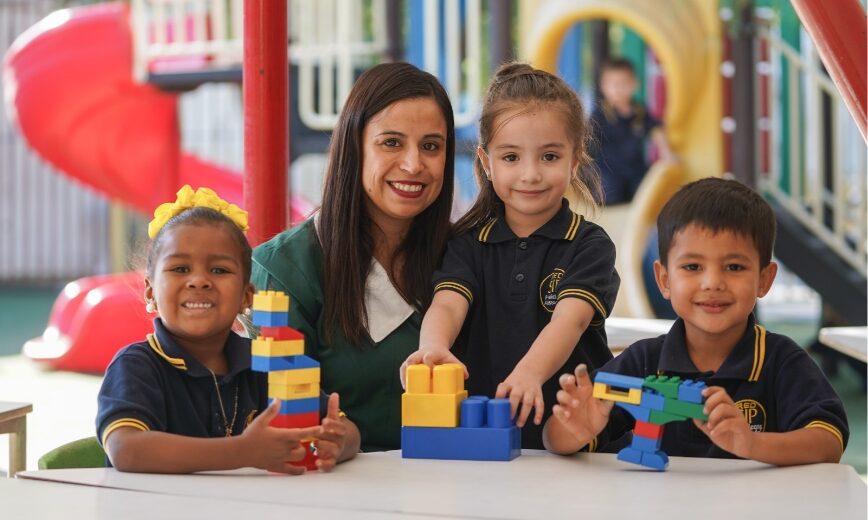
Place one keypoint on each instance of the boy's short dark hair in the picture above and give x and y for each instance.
(718, 205)
(617, 64)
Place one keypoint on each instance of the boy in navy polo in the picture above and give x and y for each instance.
(767, 400)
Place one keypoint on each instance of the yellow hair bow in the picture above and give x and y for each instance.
(204, 198)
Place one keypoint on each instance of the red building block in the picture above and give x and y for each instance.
(296, 420)
(646, 429)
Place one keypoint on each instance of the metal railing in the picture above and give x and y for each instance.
(331, 41)
(812, 157)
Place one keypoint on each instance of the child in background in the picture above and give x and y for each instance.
(766, 398)
(535, 279)
(186, 400)
(622, 127)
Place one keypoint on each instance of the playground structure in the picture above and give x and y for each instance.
(114, 125)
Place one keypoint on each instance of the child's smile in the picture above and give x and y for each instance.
(198, 284)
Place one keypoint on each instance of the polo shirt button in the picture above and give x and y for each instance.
(519, 277)
(522, 245)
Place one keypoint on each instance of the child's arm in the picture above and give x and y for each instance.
(658, 137)
(729, 430)
(549, 352)
(339, 440)
(578, 417)
(260, 446)
(440, 327)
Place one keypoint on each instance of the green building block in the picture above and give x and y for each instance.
(684, 409)
(666, 386)
(658, 417)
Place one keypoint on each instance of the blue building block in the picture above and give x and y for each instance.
(292, 406)
(640, 413)
(619, 381)
(645, 444)
(652, 400)
(276, 363)
(460, 443)
(270, 319)
(631, 455)
(657, 460)
(691, 391)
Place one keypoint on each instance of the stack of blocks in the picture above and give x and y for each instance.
(439, 421)
(292, 377)
(653, 402)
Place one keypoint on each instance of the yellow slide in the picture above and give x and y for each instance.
(685, 36)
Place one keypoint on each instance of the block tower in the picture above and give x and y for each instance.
(653, 402)
(292, 377)
(439, 421)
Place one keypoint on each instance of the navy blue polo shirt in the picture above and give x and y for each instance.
(769, 377)
(513, 284)
(619, 149)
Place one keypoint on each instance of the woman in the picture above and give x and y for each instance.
(359, 273)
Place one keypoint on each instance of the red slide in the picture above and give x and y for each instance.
(70, 90)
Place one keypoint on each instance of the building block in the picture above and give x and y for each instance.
(639, 413)
(270, 319)
(657, 460)
(460, 443)
(448, 379)
(301, 391)
(691, 391)
(280, 333)
(691, 410)
(645, 444)
(652, 401)
(300, 376)
(296, 420)
(269, 347)
(608, 393)
(294, 406)
(617, 380)
(277, 363)
(310, 458)
(658, 417)
(271, 301)
(646, 429)
(630, 455)
(665, 385)
(434, 410)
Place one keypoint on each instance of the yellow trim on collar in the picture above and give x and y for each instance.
(759, 352)
(178, 363)
(574, 227)
(126, 422)
(457, 287)
(585, 295)
(486, 230)
(829, 428)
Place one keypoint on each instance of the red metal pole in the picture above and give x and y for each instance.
(266, 118)
(838, 30)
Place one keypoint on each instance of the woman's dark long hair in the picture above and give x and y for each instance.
(345, 226)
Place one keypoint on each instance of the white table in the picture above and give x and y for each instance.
(623, 332)
(852, 341)
(25, 499)
(534, 485)
(13, 420)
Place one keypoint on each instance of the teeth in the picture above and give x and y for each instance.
(407, 187)
(198, 305)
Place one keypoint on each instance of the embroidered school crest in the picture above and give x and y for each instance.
(548, 290)
(754, 413)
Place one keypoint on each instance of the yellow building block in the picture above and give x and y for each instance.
(418, 379)
(271, 301)
(285, 392)
(603, 391)
(437, 410)
(448, 379)
(271, 347)
(300, 376)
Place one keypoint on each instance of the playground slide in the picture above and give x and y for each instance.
(69, 89)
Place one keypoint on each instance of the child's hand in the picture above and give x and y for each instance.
(273, 448)
(726, 425)
(523, 389)
(429, 357)
(331, 441)
(578, 410)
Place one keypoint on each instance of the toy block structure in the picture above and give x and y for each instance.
(653, 402)
(292, 377)
(441, 422)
